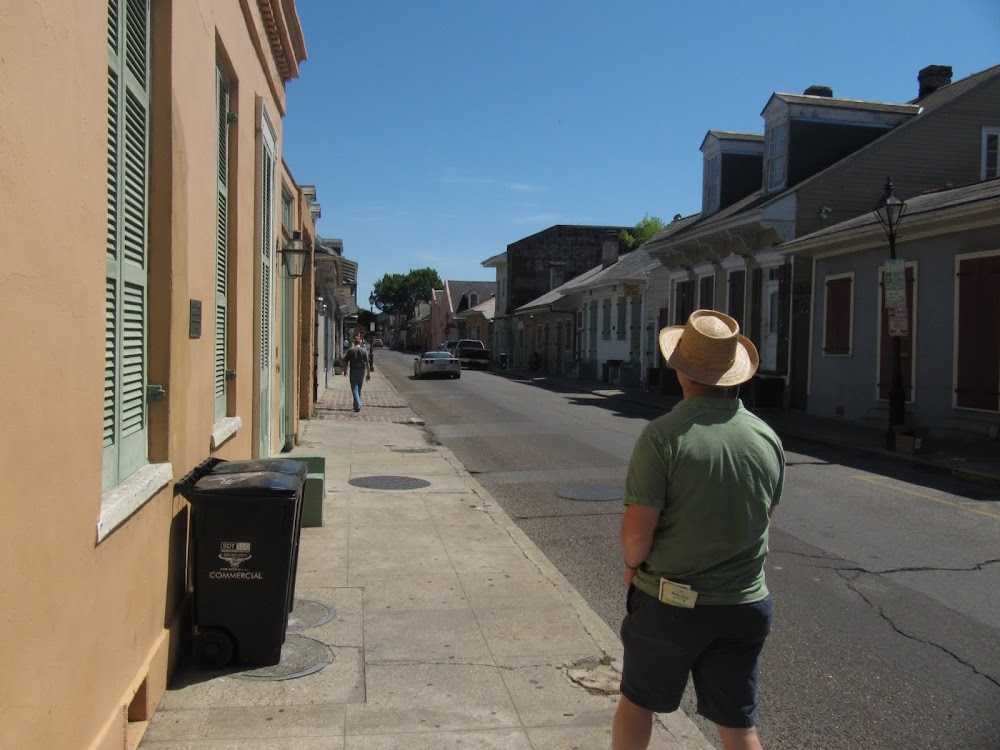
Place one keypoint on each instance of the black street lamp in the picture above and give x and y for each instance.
(889, 211)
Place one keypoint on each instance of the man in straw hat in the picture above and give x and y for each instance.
(701, 486)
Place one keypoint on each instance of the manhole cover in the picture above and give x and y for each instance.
(413, 450)
(308, 614)
(299, 656)
(389, 483)
(594, 492)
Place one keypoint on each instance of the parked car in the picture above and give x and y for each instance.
(472, 353)
(437, 363)
(377, 344)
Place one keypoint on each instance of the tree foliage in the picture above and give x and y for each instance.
(643, 230)
(401, 293)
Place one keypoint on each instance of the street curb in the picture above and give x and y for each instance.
(980, 477)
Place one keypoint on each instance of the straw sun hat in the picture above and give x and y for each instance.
(709, 349)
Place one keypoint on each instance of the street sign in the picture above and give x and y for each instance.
(895, 285)
(899, 324)
(371, 326)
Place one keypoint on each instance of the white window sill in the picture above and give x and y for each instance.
(119, 503)
(224, 429)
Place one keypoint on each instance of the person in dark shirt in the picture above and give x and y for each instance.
(358, 368)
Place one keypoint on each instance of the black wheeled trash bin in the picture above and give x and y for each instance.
(245, 526)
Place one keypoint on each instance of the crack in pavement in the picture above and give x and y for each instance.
(881, 613)
(850, 567)
(924, 569)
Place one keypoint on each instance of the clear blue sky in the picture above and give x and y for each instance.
(438, 131)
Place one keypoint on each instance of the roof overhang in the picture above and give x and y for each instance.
(500, 259)
(852, 236)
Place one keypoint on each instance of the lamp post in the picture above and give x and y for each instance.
(889, 211)
(293, 256)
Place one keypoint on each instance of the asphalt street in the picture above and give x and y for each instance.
(885, 579)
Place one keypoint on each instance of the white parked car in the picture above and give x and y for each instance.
(437, 363)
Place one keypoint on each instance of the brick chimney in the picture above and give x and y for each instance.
(819, 91)
(932, 78)
(609, 248)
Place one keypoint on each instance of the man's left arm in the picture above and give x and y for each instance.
(638, 529)
(645, 492)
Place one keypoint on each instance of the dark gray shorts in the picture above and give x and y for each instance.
(717, 645)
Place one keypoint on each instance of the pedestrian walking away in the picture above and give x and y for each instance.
(702, 483)
(359, 369)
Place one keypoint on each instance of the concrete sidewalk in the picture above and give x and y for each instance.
(424, 619)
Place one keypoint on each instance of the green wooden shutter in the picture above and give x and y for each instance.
(267, 242)
(221, 243)
(125, 365)
(620, 333)
(636, 327)
(592, 338)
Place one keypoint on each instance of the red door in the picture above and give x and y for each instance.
(977, 383)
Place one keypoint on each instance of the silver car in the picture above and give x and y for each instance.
(436, 363)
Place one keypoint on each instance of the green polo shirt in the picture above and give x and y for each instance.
(715, 469)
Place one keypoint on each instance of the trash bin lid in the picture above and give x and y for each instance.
(279, 465)
(267, 484)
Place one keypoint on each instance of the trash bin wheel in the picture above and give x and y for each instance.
(214, 648)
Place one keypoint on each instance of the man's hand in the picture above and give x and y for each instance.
(368, 377)
(629, 575)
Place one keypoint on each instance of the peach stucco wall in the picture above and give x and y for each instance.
(83, 623)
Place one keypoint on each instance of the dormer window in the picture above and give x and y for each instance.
(473, 299)
(991, 153)
(775, 156)
(710, 198)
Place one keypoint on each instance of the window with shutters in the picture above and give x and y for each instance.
(838, 315)
(287, 211)
(775, 156)
(635, 326)
(268, 156)
(606, 320)
(706, 292)
(710, 185)
(683, 301)
(578, 341)
(621, 328)
(991, 153)
(126, 250)
(737, 283)
(592, 337)
(221, 243)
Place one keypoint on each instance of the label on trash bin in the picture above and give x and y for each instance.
(235, 554)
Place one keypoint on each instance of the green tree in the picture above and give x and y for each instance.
(643, 230)
(401, 293)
